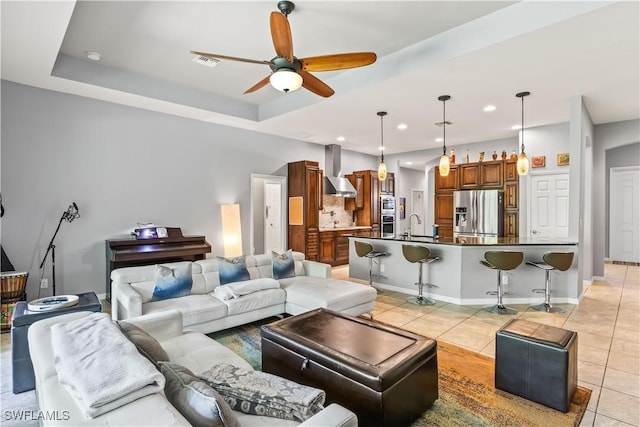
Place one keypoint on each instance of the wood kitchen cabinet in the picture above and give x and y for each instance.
(369, 214)
(496, 174)
(327, 247)
(388, 186)
(334, 246)
(305, 181)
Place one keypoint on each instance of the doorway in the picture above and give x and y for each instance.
(268, 214)
(624, 216)
(549, 205)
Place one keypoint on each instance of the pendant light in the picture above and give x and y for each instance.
(444, 159)
(382, 168)
(522, 166)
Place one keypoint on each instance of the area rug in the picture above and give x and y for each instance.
(467, 396)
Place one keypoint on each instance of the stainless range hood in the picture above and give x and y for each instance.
(333, 182)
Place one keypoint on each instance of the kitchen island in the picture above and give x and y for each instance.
(459, 276)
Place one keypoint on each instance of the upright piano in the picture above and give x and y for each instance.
(129, 252)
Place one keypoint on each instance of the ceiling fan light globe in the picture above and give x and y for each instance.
(522, 166)
(286, 80)
(444, 165)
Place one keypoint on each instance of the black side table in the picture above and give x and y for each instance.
(23, 378)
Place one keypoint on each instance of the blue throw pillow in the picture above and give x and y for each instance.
(172, 282)
(283, 265)
(232, 269)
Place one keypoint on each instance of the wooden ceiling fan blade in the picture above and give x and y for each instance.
(315, 85)
(339, 61)
(229, 58)
(262, 83)
(281, 35)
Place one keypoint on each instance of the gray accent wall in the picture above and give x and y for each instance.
(122, 165)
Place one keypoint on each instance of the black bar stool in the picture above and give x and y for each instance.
(364, 249)
(551, 261)
(501, 261)
(420, 255)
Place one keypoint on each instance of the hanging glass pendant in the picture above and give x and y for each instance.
(444, 166)
(382, 171)
(523, 164)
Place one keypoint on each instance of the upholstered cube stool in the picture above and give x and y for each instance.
(537, 362)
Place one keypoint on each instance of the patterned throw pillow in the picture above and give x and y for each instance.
(283, 265)
(200, 404)
(232, 269)
(172, 282)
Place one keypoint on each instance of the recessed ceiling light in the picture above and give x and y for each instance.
(408, 163)
(489, 108)
(515, 127)
(340, 138)
(94, 56)
(381, 148)
(439, 139)
(402, 126)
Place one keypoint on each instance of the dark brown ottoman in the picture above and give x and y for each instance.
(386, 376)
(537, 362)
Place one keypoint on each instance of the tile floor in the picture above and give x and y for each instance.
(607, 321)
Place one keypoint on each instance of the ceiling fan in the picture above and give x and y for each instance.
(289, 72)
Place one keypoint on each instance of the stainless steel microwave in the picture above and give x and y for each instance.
(387, 204)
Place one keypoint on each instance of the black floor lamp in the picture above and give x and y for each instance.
(69, 215)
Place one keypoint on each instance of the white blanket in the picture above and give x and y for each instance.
(238, 289)
(99, 366)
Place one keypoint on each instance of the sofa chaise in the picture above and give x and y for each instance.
(192, 350)
(312, 287)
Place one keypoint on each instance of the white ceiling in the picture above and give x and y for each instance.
(478, 52)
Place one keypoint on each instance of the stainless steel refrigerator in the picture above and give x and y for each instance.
(478, 212)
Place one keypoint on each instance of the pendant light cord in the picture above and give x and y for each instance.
(444, 127)
(522, 126)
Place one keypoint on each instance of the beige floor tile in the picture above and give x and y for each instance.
(490, 349)
(471, 334)
(623, 333)
(593, 331)
(595, 395)
(603, 421)
(587, 419)
(416, 310)
(590, 372)
(590, 354)
(624, 362)
(493, 318)
(383, 306)
(619, 406)
(626, 347)
(426, 328)
(393, 318)
(551, 319)
(621, 381)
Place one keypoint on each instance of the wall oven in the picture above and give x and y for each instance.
(387, 225)
(387, 204)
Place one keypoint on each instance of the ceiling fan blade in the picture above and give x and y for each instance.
(229, 58)
(281, 35)
(315, 85)
(339, 61)
(262, 83)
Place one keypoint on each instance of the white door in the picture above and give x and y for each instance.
(624, 218)
(417, 206)
(549, 205)
(272, 217)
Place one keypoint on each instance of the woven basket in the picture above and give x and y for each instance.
(13, 285)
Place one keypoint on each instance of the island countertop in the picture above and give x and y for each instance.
(353, 227)
(473, 240)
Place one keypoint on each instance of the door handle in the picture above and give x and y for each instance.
(266, 211)
(534, 231)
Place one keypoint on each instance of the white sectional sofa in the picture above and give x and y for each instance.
(311, 288)
(192, 350)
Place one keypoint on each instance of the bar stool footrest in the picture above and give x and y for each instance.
(548, 308)
(421, 301)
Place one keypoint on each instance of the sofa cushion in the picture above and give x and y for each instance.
(195, 308)
(147, 345)
(314, 292)
(196, 400)
(232, 269)
(172, 282)
(283, 264)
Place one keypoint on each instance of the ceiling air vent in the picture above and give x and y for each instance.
(209, 62)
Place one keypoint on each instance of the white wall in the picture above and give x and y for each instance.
(121, 165)
(407, 180)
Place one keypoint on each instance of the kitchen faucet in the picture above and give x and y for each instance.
(417, 218)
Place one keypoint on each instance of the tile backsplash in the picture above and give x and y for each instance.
(334, 213)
